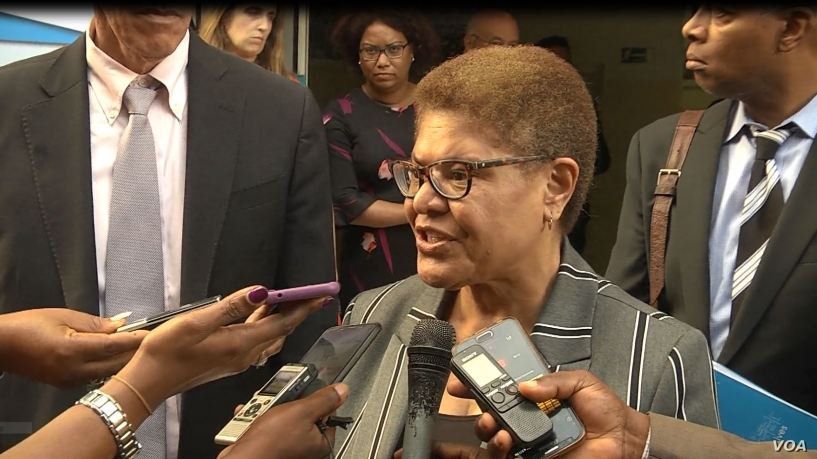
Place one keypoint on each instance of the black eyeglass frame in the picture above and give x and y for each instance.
(470, 168)
(383, 51)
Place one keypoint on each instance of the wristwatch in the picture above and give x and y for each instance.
(114, 417)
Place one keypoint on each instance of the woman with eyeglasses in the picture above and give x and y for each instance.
(503, 158)
(365, 129)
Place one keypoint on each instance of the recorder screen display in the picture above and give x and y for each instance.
(481, 370)
(277, 384)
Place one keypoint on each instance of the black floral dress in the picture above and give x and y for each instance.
(362, 136)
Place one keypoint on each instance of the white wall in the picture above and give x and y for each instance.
(12, 51)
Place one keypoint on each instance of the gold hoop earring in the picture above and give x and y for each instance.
(548, 223)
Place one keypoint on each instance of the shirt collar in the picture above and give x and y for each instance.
(805, 119)
(109, 78)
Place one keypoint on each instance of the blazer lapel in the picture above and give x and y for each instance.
(693, 212)
(564, 331)
(57, 134)
(213, 129)
(792, 234)
(382, 420)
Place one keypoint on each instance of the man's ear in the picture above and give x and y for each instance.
(798, 23)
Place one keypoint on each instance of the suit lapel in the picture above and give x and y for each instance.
(57, 134)
(382, 421)
(213, 129)
(564, 334)
(792, 234)
(693, 212)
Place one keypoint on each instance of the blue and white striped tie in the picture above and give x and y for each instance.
(761, 210)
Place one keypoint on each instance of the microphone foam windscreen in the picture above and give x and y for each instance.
(434, 333)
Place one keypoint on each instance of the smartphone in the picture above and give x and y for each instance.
(287, 384)
(497, 393)
(275, 297)
(303, 293)
(152, 322)
(508, 343)
(337, 351)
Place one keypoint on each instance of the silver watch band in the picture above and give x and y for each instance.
(114, 417)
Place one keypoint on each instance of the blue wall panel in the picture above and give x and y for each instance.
(13, 28)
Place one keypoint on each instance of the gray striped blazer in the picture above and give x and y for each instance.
(652, 361)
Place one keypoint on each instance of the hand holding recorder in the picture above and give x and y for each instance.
(189, 350)
(291, 430)
(613, 430)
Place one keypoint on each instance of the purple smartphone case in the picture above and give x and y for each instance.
(303, 293)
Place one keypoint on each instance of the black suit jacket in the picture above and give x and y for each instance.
(773, 339)
(257, 210)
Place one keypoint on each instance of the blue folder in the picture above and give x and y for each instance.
(755, 414)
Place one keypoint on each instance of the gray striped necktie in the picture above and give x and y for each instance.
(134, 268)
(761, 210)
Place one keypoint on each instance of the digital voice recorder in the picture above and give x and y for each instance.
(285, 386)
(497, 393)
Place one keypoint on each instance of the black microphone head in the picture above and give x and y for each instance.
(429, 366)
(431, 343)
(434, 333)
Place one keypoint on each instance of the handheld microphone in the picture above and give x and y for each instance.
(429, 363)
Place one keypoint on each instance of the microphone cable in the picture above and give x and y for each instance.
(332, 421)
(322, 429)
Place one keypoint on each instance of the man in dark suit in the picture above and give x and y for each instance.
(244, 196)
(748, 284)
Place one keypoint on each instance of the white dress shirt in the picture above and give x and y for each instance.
(734, 172)
(107, 81)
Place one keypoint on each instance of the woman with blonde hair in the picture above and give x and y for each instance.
(252, 32)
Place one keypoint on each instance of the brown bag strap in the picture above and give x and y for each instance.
(665, 195)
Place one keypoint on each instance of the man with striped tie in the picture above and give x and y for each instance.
(740, 262)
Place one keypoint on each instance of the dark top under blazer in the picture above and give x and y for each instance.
(257, 210)
(652, 361)
(773, 342)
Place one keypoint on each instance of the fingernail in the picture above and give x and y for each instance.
(342, 390)
(121, 316)
(528, 384)
(329, 300)
(258, 295)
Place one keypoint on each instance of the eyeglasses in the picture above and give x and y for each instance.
(450, 178)
(372, 53)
